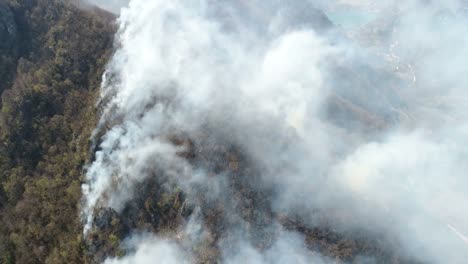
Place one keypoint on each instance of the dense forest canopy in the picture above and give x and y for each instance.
(52, 56)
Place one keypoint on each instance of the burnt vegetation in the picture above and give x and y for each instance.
(161, 207)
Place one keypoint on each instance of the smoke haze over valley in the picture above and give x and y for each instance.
(357, 128)
(343, 115)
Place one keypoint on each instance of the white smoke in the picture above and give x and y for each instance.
(149, 249)
(289, 248)
(262, 76)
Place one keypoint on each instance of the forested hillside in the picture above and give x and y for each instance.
(52, 56)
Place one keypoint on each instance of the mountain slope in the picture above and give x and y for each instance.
(51, 68)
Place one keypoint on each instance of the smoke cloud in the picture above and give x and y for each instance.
(348, 114)
(148, 249)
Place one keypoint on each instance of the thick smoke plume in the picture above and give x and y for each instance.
(348, 114)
